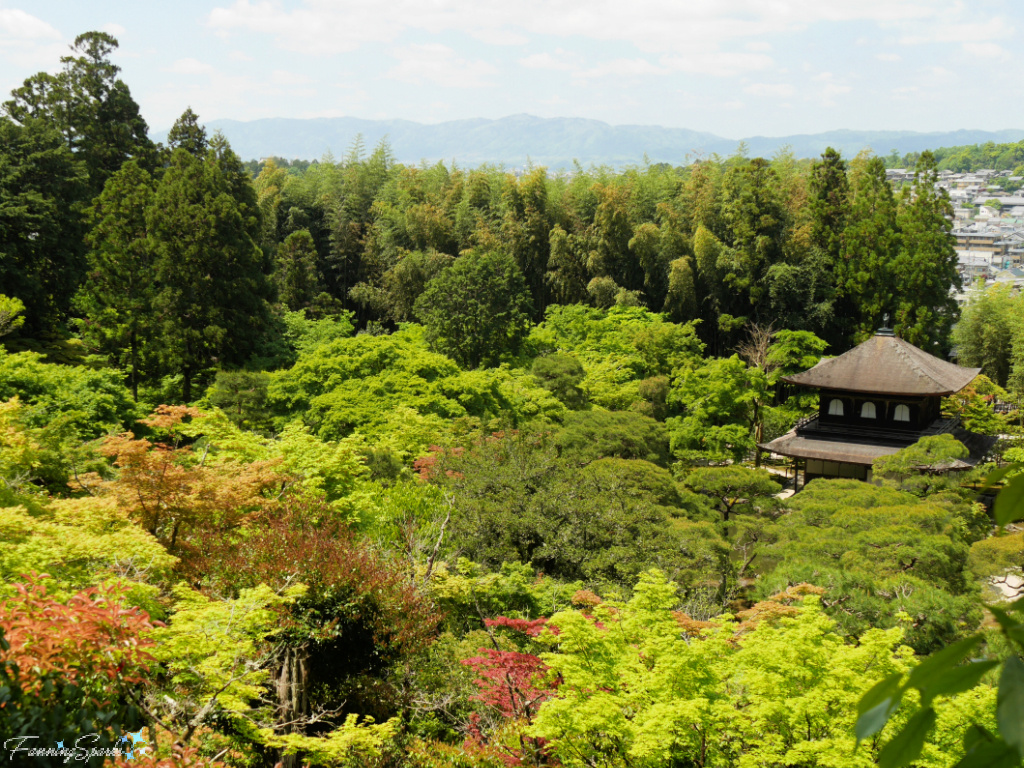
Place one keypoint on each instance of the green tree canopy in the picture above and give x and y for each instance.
(477, 311)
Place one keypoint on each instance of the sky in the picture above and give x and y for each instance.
(734, 68)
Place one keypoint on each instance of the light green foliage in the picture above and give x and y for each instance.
(407, 516)
(11, 318)
(637, 689)
(218, 655)
(735, 490)
(304, 334)
(973, 406)
(997, 555)
(990, 741)
(989, 327)
(351, 745)
(84, 402)
(468, 591)
(78, 542)
(358, 384)
(793, 352)
(718, 400)
(618, 348)
(316, 469)
(55, 409)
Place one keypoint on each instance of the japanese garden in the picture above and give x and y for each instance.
(351, 462)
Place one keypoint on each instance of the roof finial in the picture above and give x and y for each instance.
(885, 330)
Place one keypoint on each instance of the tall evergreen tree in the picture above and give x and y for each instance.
(188, 134)
(871, 242)
(298, 282)
(213, 293)
(42, 185)
(756, 224)
(926, 267)
(477, 310)
(90, 106)
(117, 296)
(829, 202)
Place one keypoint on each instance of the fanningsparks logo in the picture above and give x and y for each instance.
(130, 746)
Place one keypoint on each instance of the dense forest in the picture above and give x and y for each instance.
(351, 463)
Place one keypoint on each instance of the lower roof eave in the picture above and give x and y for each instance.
(797, 447)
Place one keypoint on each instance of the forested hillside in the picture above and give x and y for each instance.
(353, 463)
(972, 157)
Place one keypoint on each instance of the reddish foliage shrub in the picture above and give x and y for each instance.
(91, 637)
(360, 614)
(529, 627)
(174, 495)
(510, 682)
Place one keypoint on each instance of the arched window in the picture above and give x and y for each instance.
(835, 408)
(867, 411)
(901, 413)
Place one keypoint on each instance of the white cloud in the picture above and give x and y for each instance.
(438, 64)
(284, 77)
(834, 89)
(620, 68)
(500, 37)
(559, 60)
(16, 26)
(239, 56)
(656, 26)
(889, 57)
(114, 29)
(774, 90)
(986, 51)
(189, 66)
(720, 63)
(27, 42)
(954, 28)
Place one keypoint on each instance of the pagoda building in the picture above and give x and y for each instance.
(881, 396)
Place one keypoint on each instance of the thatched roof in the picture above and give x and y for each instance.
(886, 365)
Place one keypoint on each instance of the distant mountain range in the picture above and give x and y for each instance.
(518, 140)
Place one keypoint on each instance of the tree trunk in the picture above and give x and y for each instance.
(186, 387)
(292, 699)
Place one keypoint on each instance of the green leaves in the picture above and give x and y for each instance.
(1010, 703)
(905, 747)
(877, 706)
(1009, 505)
(947, 657)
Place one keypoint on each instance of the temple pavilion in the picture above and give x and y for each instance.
(881, 396)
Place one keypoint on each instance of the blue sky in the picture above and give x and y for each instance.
(731, 67)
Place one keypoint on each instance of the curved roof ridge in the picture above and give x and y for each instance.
(887, 365)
